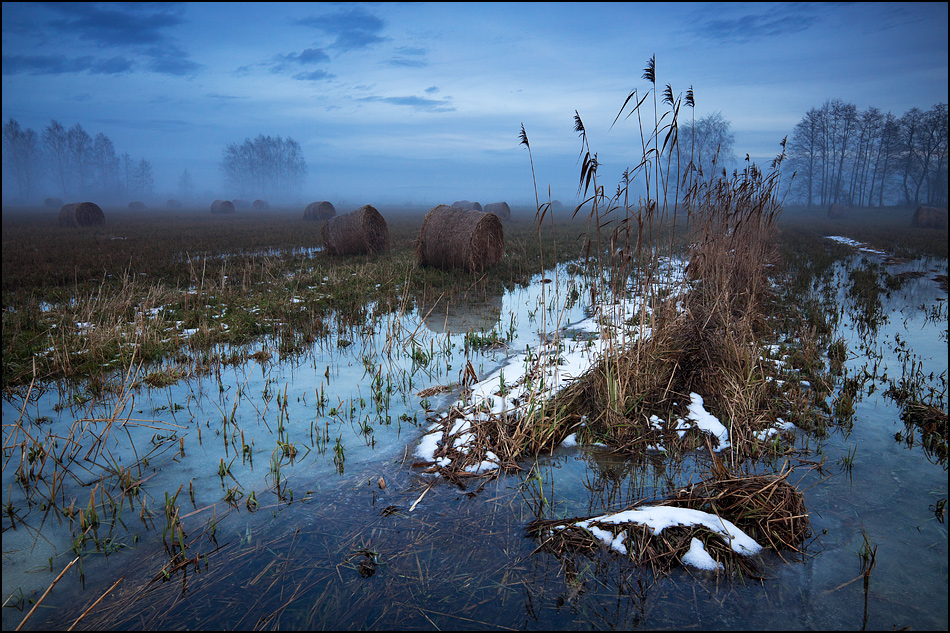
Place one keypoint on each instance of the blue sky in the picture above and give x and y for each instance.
(424, 103)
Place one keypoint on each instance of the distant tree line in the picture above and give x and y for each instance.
(72, 164)
(267, 167)
(869, 158)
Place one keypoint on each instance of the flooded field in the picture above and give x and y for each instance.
(289, 494)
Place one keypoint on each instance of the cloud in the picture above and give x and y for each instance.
(60, 64)
(309, 56)
(117, 24)
(431, 90)
(752, 27)
(139, 27)
(406, 63)
(416, 103)
(353, 30)
(314, 75)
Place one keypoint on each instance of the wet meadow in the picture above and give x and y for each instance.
(718, 414)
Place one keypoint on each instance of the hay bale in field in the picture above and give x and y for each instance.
(465, 204)
(317, 211)
(173, 204)
(260, 205)
(930, 218)
(81, 214)
(137, 206)
(501, 209)
(360, 231)
(53, 203)
(452, 237)
(838, 212)
(222, 206)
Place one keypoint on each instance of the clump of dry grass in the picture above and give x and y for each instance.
(766, 508)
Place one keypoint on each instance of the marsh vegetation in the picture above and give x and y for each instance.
(210, 422)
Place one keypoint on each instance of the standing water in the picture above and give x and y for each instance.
(281, 494)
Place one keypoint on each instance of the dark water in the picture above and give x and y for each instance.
(348, 553)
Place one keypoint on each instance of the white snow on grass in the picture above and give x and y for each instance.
(847, 241)
(658, 518)
(698, 557)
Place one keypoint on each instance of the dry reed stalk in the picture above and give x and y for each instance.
(452, 237)
(358, 232)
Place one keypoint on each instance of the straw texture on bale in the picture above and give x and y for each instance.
(321, 210)
(81, 214)
(838, 211)
(173, 204)
(465, 204)
(260, 205)
(357, 232)
(53, 203)
(501, 209)
(137, 206)
(452, 237)
(930, 218)
(222, 206)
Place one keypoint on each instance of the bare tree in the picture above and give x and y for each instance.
(105, 165)
(186, 186)
(143, 183)
(56, 145)
(23, 157)
(265, 167)
(711, 142)
(80, 152)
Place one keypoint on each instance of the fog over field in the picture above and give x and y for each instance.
(421, 104)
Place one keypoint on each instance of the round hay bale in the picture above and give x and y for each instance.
(222, 206)
(260, 205)
(501, 209)
(53, 203)
(81, 214)
(452, 237)
(360, 231)
(465, 204)
(137, 206)
(930, 218)
(838, 212)
(173, 204)
(317, 211)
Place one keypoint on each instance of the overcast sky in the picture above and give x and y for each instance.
(424, 102)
